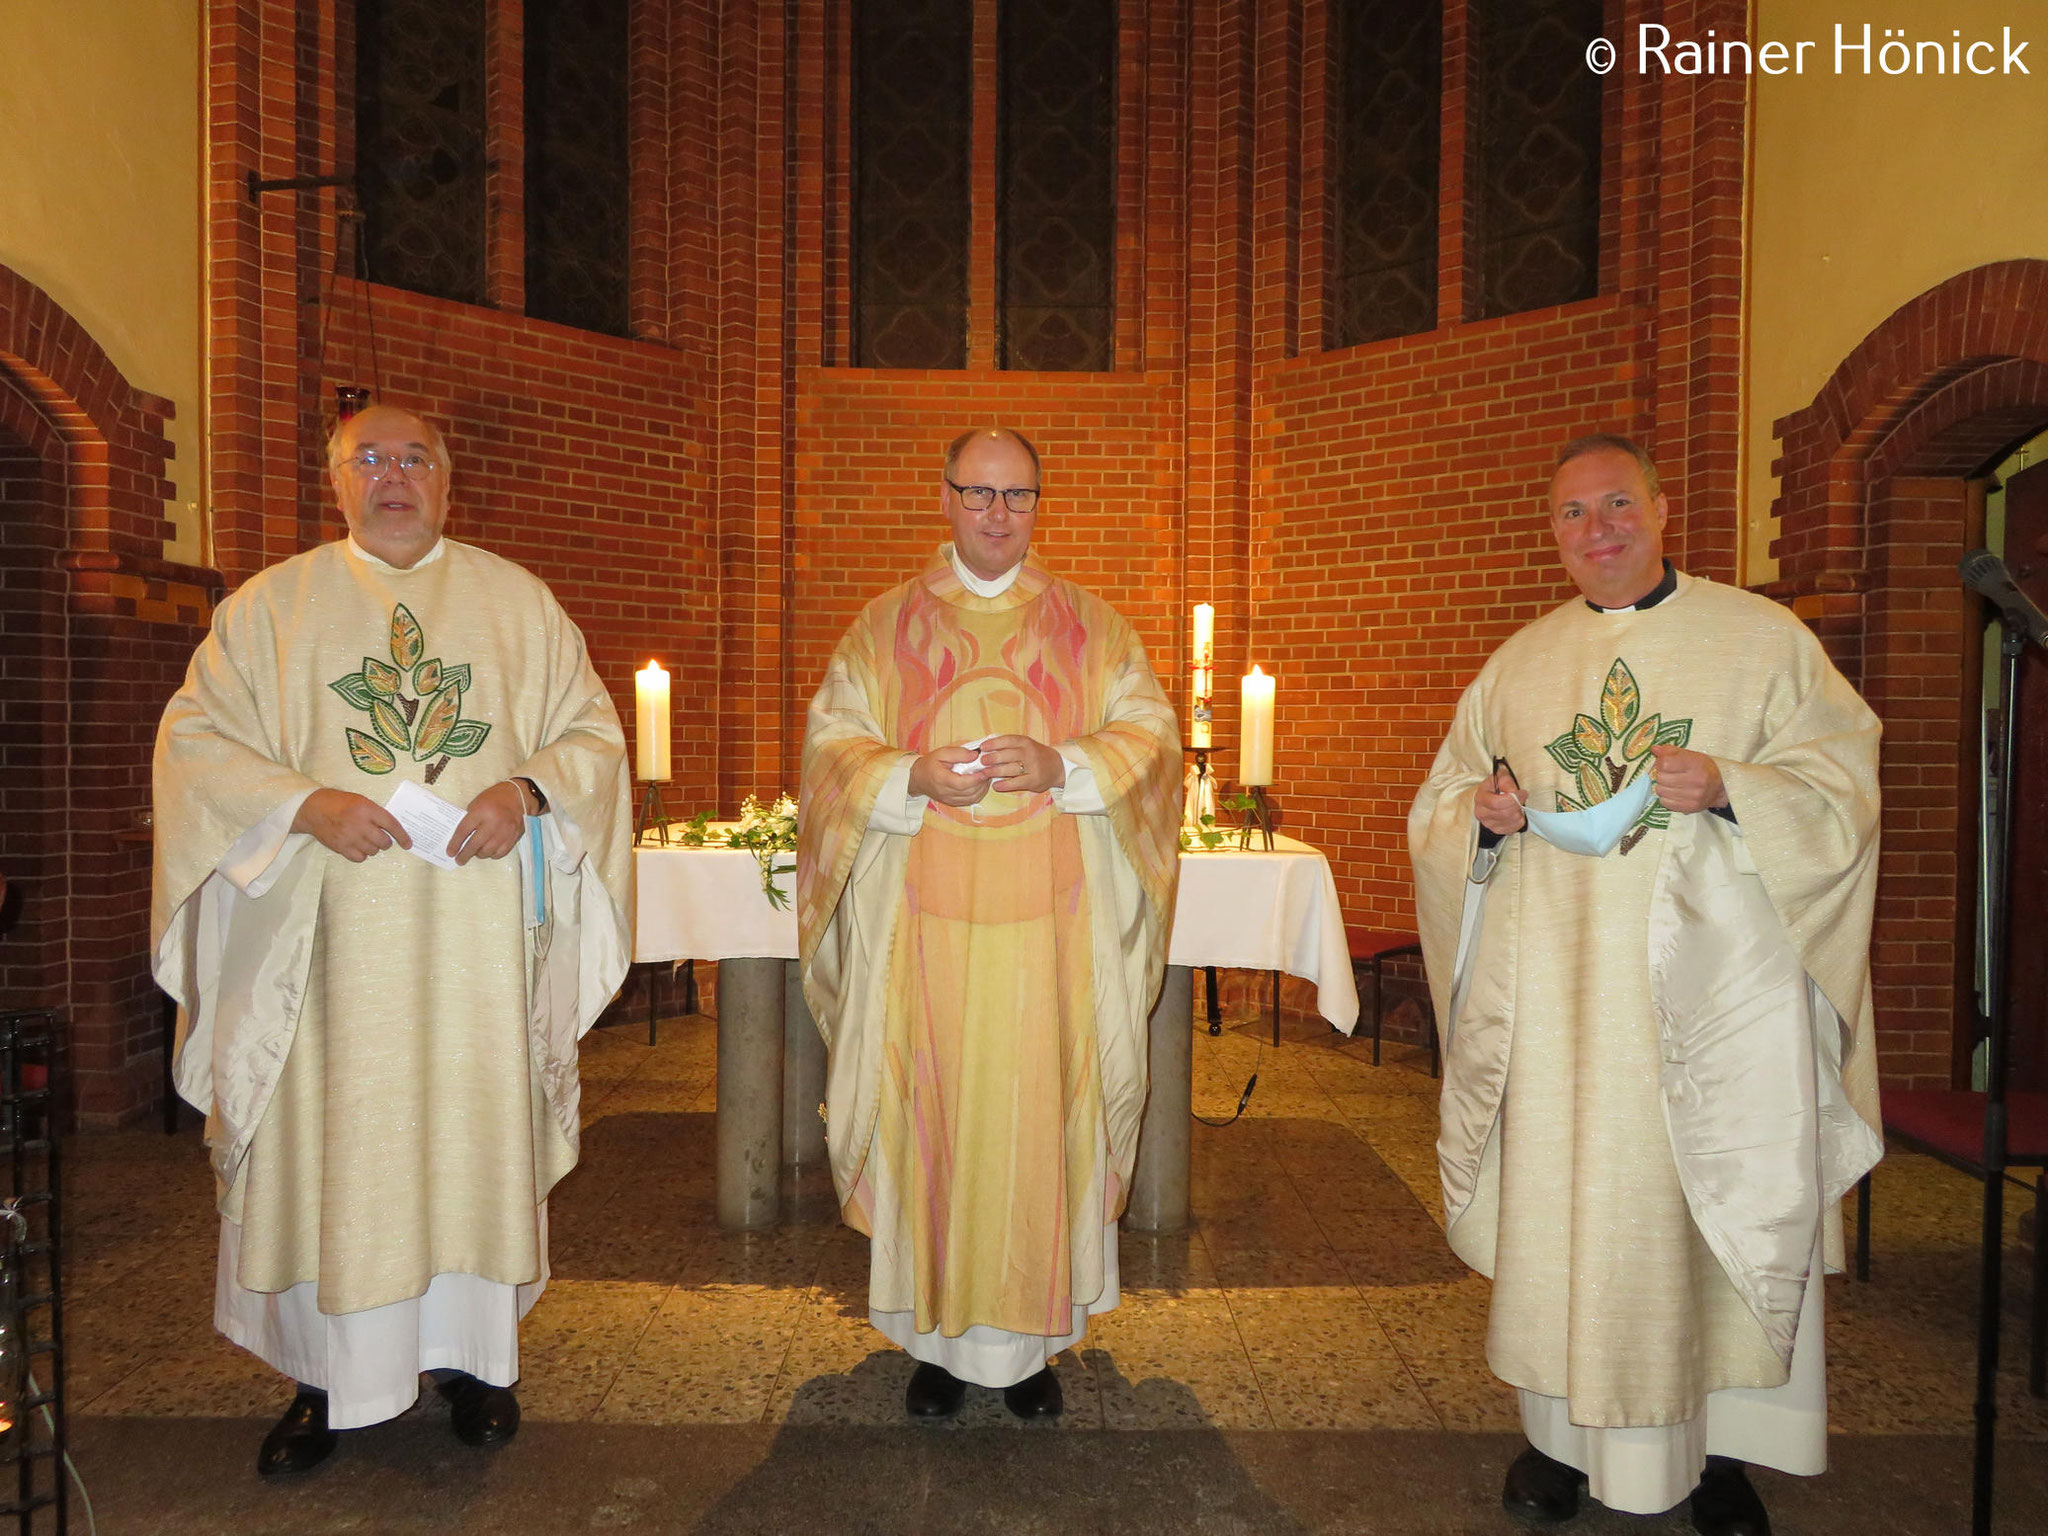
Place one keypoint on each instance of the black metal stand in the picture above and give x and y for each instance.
(32, 1370)
(653, 814)
(1258, 819)
(1998, 853)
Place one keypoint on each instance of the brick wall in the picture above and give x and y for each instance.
(96, 643)
(722, 490)
(1918, 675)
(31, 730)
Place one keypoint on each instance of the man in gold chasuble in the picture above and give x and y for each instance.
(985, 875)
(386, 1048)
(1645, 860)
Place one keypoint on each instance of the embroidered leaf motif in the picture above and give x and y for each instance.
(436, 721)
(354, 689)
(389, 722)
(414, 703)
(408, 643)
(1674, 733)
(1591, 736)
(371, 755)
(1641, 737)
(1620, 699)
(1565, 751)
(1593, 782)
(464, 737)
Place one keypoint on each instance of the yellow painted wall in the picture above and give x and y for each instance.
(1868, 191)
(100, 193)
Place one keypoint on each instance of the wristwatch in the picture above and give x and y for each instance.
(540, 801)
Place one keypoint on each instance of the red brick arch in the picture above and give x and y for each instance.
(1875, 511)
(112, 432)
(1935, 362)
(82, 574)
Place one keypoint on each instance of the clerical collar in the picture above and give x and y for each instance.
(1650, 599)
(427, 559)
(981, 586)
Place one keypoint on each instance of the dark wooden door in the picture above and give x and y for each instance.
(2026, 555)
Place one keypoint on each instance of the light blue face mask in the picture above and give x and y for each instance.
(1595, 830)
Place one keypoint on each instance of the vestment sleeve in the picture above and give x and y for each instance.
(219, 767)
(580, 763)
(1443, 833)
(1808, 806)
(846, 763)
(1134, 759)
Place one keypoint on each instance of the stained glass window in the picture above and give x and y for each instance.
(1385, 170)
(420, 143)
(1056, 229)
(1538, 110)
(913, 124)
(576, 164)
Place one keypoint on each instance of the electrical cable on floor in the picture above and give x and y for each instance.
(1243, 1098)
(92, 1525)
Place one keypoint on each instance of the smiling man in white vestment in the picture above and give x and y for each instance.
(985, 874)
(1645, 860)
(386, 1048)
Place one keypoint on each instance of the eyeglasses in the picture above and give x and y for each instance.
(373, 464)
(979, 498)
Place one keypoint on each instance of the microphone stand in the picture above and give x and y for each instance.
(1998, 855)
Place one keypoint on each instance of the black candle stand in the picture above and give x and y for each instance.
(654, 816)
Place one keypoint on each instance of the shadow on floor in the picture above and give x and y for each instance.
(193, 1477)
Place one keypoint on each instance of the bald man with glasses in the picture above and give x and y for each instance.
(985, 878)
(392, 890)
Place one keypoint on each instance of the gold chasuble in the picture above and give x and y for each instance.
(387, 1050)
(984, 984)
(1659, 1073)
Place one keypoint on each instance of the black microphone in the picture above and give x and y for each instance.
(1984, 572)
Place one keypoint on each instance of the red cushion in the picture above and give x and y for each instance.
(1951, 1121)
(1366, 944)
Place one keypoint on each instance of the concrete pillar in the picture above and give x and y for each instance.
(750, 1026)
(803, 1077)
(807, 1194)
(1159, 1185)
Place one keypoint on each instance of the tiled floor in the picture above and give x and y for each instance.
(1315, 1294)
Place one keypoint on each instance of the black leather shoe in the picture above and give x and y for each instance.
(934, 1393)
(1035, 1397)
(479, 1413)
(300, 1440)
(1724, 1504)
(1540, 1491)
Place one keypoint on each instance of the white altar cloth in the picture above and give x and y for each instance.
(1249, 910)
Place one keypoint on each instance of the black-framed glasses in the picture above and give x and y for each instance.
(979, 498)
(372, 463)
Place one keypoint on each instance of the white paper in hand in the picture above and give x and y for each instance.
(970, 746)
(428, 820)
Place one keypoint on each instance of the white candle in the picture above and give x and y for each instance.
(650, 723)
(1255, 731)
(1200, 676)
